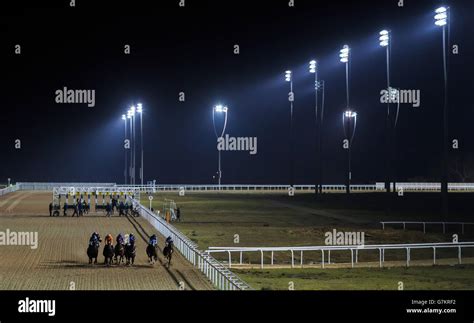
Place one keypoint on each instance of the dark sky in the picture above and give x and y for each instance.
(191, 50)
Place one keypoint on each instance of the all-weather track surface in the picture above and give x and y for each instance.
(60, 261)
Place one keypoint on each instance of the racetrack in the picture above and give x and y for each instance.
(60, 261)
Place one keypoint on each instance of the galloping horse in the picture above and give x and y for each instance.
(152, 254)
(93, 248)
(130, 252)
(119, 252)
(108, 254)
(168, 252)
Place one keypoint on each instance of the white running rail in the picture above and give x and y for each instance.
(220, 276)
(354, 250)
(9, 189)
(424, 223)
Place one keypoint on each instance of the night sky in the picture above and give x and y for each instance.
(191, 50)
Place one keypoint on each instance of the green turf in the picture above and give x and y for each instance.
(413, 278)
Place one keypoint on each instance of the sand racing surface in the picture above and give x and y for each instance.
(60, 261)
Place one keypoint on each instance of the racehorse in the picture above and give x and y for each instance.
(108, 254)
(130, 253)
(119, 253)
(152, 254)
(93, 251)
(168, 252)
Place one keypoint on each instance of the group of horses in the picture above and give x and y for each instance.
(126, 252)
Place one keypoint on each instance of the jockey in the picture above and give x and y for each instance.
(95, 238)
(169, 240)
(153, 240)
(109, 239)
(120, 239)
(131, 239)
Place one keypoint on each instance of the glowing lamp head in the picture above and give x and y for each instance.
(288, 76)
(441, 16)
(384, 38)
(350, 114)
(344, 54)
(312, 66)
(129, 114)
(124, 117)
(132, 110)
(139, 108)
(220, 109)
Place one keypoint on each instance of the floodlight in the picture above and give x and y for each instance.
(344, 54)
(350, 114)
(312, 66)
(219, 108)
(288, 76)
(441, 16)
(384, 38)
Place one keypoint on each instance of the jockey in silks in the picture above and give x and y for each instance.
(168, 241)
(120, 239)
(109, 239)
(95, 239)
(153, 240)
(131, 239)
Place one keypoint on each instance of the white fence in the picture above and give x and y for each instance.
(333, 188)
(220, 276)
(330, 188)
(9, 189)
(354, 250)
(37, 186)
(428, 187)
(250, 187)
(424, 223)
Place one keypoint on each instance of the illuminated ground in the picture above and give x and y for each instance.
(61, 255)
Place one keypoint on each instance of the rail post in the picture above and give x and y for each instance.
(322, 258)
(380, 257)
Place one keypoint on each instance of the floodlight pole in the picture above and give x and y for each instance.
(222, 110)
(131, 150)
(141, 146)
(134, 151)
(347, 84)
(321, 86)
(126, 162)
(444, 179)
(349, 167)
(388, 124)
(318, 85)
(318, 132)
(292, 180)
(349, 118)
